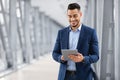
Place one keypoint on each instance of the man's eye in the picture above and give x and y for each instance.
(70, 16)
(75, 16)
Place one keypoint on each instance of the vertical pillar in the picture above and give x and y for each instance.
(4, 50)
(20, 31)
(90, 13)
(47, 34)
(50, 35)
(107, 53)
(4, 16)
(119, 34)
(28, 47)
(37, 31)
(117, 39)
(99, 26)
(13, 31)
(4, 38)
(41, 32)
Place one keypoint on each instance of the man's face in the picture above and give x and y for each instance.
(74, 17)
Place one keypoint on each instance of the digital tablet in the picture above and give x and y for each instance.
(66, 52)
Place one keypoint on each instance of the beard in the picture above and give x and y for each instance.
(74, 24)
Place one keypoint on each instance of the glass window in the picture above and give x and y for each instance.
(18, 12)
(7, 20)
(2, 57)
(0, 7)
(4, 31)
(1, 19)
(0, 48)
(3, 3)
(7, 6)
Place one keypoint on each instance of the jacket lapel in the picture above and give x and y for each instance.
(67, 36)
(80, 37)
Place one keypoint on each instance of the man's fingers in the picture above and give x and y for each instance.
(76, 58)
(62, 57)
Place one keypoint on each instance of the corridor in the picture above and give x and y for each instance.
(44, 69)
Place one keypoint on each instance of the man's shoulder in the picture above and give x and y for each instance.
(88, 28)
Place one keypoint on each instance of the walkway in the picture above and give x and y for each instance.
(44, 69)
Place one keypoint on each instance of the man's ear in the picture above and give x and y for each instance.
(80, 13)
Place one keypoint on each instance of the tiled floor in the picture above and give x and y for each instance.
(44, 69)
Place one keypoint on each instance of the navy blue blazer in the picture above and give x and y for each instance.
(87, 45)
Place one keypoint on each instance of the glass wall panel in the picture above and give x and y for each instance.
(2, 58)
(1, 19)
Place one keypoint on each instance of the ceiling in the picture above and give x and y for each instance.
(56, 9)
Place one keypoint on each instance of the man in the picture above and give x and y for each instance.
(80, 37)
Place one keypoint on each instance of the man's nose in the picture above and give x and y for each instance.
(72, 19)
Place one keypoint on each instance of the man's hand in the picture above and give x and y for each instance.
(76, 57)
(62, 58)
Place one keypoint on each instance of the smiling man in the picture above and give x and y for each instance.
(76, 36)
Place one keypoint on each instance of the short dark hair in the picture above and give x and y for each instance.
(72, 6)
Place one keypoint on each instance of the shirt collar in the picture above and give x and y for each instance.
(79, 28)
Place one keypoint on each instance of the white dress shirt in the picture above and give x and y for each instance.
(73, 41)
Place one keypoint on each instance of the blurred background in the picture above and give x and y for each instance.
(28, 30)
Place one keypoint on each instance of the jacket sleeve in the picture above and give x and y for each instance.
(93, 50)
(56, 54)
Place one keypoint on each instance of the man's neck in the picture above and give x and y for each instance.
(74, 28)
